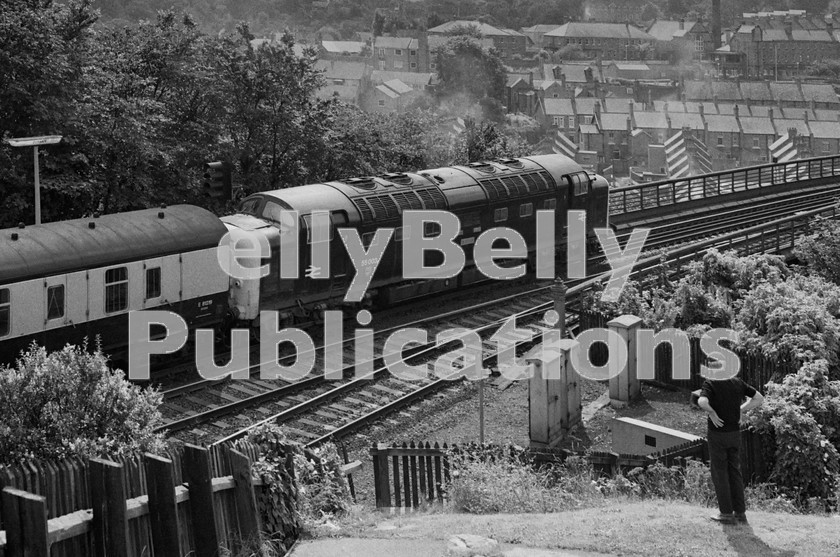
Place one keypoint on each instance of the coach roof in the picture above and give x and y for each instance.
(74, 245)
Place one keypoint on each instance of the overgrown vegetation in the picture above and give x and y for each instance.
(303, 487)
(71, 403)
(506, 484)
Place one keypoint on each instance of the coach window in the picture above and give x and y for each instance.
(152, 283)
(500, 214)
(55, 301)
(526, 209)
(5, 312)
(116, 289)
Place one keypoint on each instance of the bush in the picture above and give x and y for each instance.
(803, 414)
(70, 403)
(304, 485)
(821, 250)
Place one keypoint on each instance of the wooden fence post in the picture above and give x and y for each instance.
(380, 477)
(163, 509)
(195, 465)
(107, 493)
(25, 521)
(243, 495)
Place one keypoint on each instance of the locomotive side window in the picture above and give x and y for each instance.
(5, 312)
(431, 229)
(550, 204)
(116, 289)
(55, 301)
(526, 209)
(367, 238)
(307, 223)
(500, 214)
(152, 283)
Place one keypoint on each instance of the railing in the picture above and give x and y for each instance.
(627, 200)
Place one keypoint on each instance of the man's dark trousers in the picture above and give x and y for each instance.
(725, 460)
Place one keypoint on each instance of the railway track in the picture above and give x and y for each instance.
(353, 404)
(211, 409)
(220, 406)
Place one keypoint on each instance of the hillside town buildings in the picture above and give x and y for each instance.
(612, 91)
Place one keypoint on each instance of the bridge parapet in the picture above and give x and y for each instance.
(629, 203)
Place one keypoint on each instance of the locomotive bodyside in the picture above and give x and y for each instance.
(505, 193)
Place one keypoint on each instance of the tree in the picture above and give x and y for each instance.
(464, 67)
(70, 403)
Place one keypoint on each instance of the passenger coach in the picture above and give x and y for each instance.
(61, 282)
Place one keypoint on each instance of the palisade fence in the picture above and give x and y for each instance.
(414, 474)
(139, 506)
(756, 369)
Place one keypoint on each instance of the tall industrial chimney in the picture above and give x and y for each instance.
(716, 24)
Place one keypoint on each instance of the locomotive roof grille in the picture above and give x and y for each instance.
(519, 185)
(391, 205)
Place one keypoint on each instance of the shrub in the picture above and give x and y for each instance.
(821, 250)
(304, 485)
(70, 403)
(803, 414)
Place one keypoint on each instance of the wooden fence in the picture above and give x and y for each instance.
(134, 506)
(412, 474)
(756, 370)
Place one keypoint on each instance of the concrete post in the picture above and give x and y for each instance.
(625, 386)
(554, 405)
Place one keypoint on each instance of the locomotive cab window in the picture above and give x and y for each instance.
(578, 183)
(116, 289)
(5, 312)
(55, 301)
(249, 206)
(279, 216)
(152, 283)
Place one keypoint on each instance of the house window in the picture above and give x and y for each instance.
(735, 140)
(500, 214)
(55, 301)
(571, 121)
(398, 64)
(755, 143)
(116, 289)
(381, 102)
(152, 283)
(611, 136)
(556, 120)
(382, 64)
(720, 141)
(526, 209)
(413, 65)
(556, 95)
(826, 147)
(382, 53)
(413, 52)
(398, 52)
(5, 312)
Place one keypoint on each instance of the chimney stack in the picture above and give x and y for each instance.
(682, 24)
(770, 113)
(563, 80)
(735, 110)
(788, 28)
(632, 111)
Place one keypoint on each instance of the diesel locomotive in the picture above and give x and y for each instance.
(61, 282)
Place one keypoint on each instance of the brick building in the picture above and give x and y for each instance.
(608, 41)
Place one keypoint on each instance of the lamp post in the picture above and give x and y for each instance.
(35, 142)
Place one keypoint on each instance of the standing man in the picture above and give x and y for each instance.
(723, 401)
